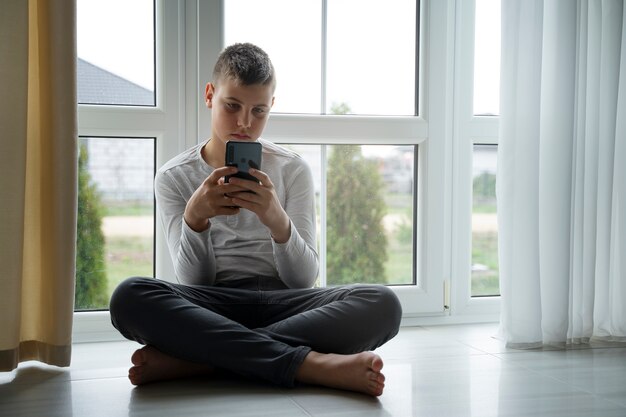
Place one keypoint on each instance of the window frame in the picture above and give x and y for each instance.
(469, 130)
(167, 122)
(426, 298)
(443, 131)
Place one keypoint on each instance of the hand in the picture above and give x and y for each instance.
(210, 200)
(264, 202)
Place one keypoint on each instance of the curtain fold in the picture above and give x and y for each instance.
(561, 175)
(38, 179)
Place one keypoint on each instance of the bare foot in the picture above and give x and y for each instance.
(152, 365)
(359, 372)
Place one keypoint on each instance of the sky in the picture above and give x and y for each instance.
(487, 57)
(370, 59)
(118, 35)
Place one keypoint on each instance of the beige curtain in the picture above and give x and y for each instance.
(38, 177)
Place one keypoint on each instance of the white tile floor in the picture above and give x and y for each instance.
(431, 371)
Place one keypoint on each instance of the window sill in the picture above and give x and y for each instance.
(94, 326)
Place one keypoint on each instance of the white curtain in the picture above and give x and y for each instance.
(562, 172)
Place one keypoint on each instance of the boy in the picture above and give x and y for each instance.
(246, 262)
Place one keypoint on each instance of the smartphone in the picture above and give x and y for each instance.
(243, 155)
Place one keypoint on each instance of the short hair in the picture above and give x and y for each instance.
(245, 63)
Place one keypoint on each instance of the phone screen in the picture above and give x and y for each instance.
(243, 155)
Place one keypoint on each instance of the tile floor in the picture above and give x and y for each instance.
(431, 371)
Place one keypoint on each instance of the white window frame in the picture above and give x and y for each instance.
(167, 122)
(186, 52)
(427, 130)
(468, 131)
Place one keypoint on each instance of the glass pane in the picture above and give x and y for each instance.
(312, 154)
(115, 46)
(487, 58)
(115, 216)
(485, 273)
(371, 57)
(290, 32)
(370, 214)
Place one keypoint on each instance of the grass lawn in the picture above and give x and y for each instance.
(485, 252)
(399, 265)
(127, 256)
(128, 209)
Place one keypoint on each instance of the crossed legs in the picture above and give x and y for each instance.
(320, 337)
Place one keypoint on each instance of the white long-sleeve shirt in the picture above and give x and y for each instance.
(240, 246)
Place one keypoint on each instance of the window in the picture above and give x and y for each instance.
(475, 274)
(116, 67)
(369, 208)
(366, 192)
(485, 276)
(371, 63)
(424, 156)
(115, 216)
(115, 42)
(487, 58)
(290, 32)
(324, 67)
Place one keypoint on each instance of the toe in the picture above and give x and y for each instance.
(138, 357)
(377, 364)
(376, 389)
(376, 377)
(134, 375)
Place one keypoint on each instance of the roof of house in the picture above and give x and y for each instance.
(99, 86)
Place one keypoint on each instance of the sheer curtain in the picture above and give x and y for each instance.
(38, 177)
(562, 171)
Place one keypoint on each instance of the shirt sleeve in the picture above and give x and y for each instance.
(297, 259)
(191, 252)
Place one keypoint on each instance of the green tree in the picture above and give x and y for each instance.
(357, 244)
(91, 280)
(340, 108)
(484, 189)
(485, 186)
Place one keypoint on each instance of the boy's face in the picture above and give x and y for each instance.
(239, 112)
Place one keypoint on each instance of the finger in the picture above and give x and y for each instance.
(246, 184)
(261, 176)
(231, 188)
(245, 204)
(226, 200)
(226, 206)
(245, 196)
(219, 173)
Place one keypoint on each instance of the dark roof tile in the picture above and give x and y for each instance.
(99, 86)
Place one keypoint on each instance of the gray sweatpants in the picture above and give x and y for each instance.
(255, 327)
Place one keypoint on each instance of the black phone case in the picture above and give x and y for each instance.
(243, 155)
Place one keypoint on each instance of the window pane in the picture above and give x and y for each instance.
(487, 58)
(290, 32)
(485, 273)
(312, 154)
(115, 216)
(371, 57)
(370, 214)
(115, 42)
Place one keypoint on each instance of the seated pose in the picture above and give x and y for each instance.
(245, 258)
